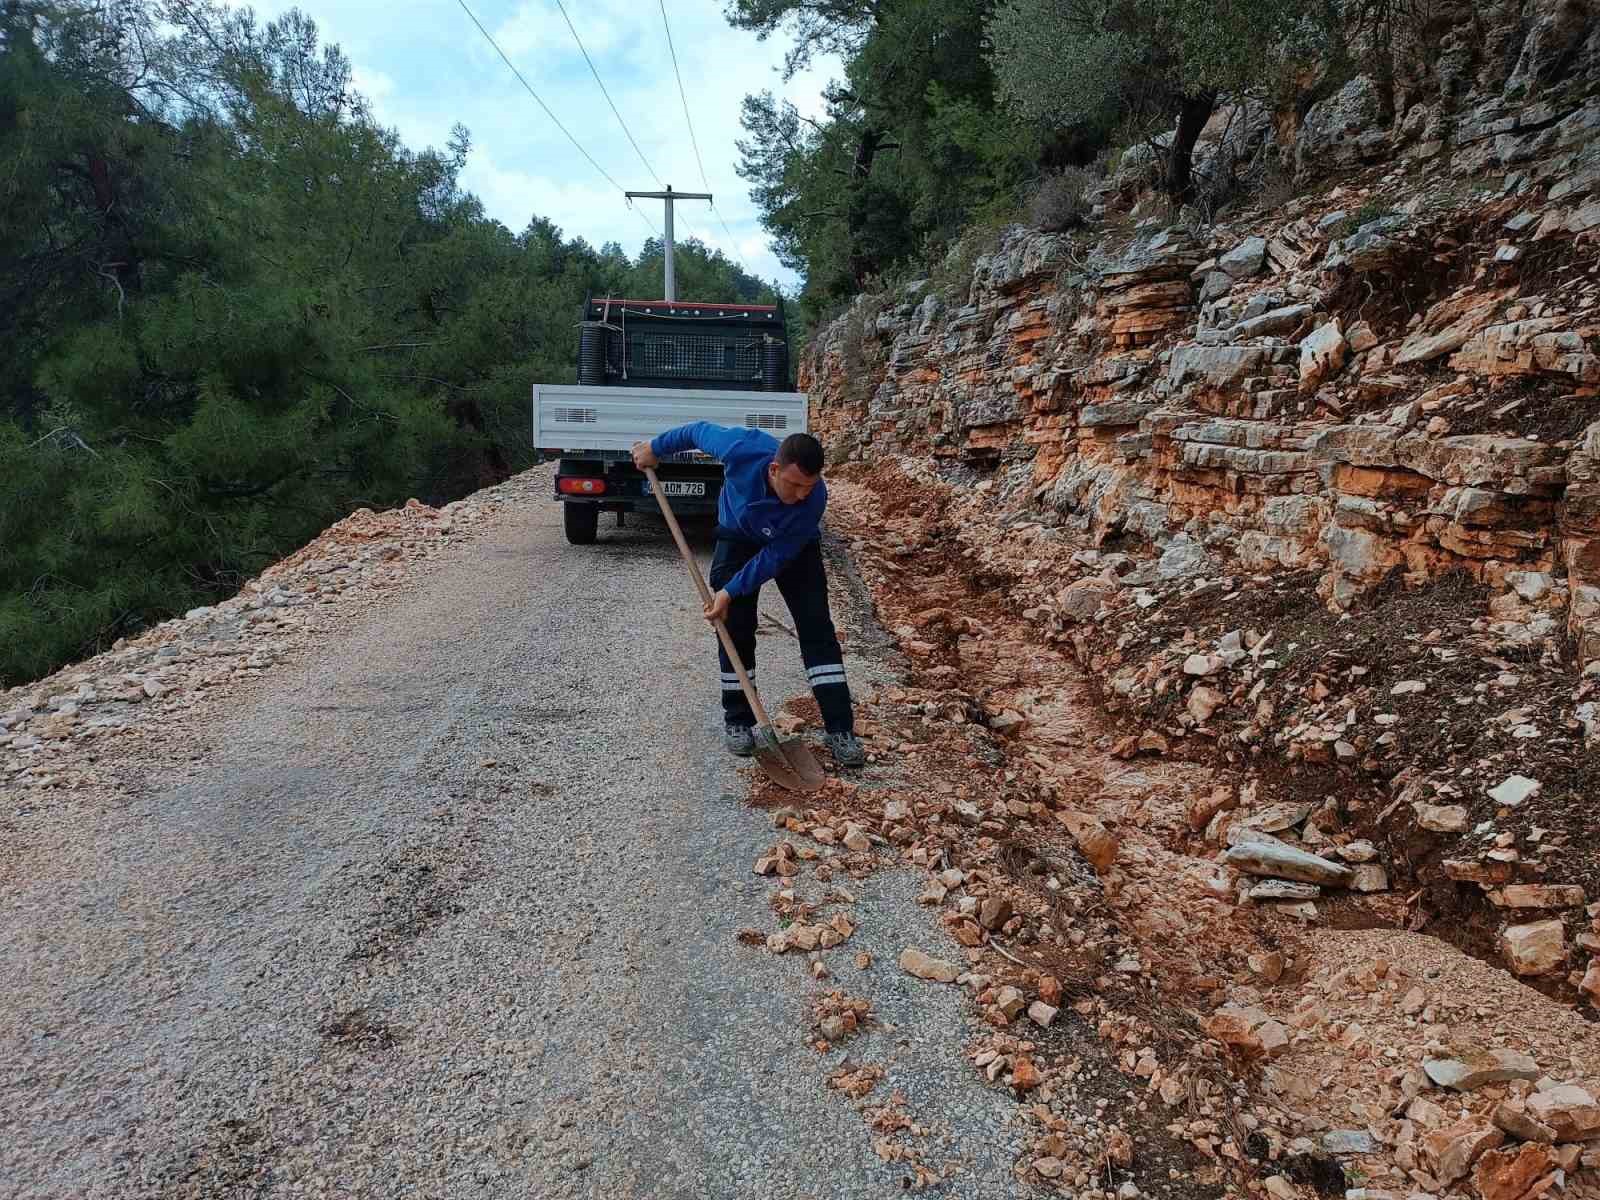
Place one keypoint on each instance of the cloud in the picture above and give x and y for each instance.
(374, 85)
(537, 27)
(514, 196)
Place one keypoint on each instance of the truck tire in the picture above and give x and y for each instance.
(581, 522)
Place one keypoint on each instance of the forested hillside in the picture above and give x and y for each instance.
(955, 116)
(233, 308)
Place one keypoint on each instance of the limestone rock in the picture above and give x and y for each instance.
(1274, 321)
(1512, 1173)
(1472, 1071)
(1514, 1119)
(1590, 986)
(1348, 1141)
(1275, 818)
(1284, 889)
(1285, 862)
(1082, 599)
(1095, 842)
(1269, 966)
(1331, 129)
(1246, 259)
(1024, 1075)
(1484, 873)
(1248, 1029)
(1514, 790)
(1554, 29)
(1442, 818)
(1218, 367)
(1322, 354)
(1376, 246)
(1454, 1149)
(1569, 1110)
(994, 912)
(1536, 948)
(923, 966)
(1042, 1014)
(1203, 702)
(1539, 895)
(1369, 877)
(1203, 808)
(1182, 558)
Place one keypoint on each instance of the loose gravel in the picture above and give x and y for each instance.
(451, 909)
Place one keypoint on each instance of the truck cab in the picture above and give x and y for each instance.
(645, 366)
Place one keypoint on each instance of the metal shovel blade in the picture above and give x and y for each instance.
(788, 764)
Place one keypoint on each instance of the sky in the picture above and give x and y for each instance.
(425, 66)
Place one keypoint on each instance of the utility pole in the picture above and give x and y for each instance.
(669, 196)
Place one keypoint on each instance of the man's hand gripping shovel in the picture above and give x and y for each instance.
(788, 764)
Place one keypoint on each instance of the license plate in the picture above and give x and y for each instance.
(678, 487)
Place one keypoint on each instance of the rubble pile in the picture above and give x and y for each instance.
(1405, 728)
(1198, 996)
(837, 1016)
(70, 729)
(1020, 924)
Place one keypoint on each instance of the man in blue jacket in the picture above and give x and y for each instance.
(768, 522)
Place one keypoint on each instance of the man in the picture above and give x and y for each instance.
(767, 528)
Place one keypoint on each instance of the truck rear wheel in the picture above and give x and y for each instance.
(581, 522)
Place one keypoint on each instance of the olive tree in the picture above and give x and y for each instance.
(1095, 63)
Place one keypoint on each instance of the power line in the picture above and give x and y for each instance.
(628, 133)
(682, 95)
(732, 241)
(490, 38)
(607, 95)
(694, 141)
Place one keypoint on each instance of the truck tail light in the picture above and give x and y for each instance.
(572, 485)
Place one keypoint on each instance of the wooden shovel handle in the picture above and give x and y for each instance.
(705, 597)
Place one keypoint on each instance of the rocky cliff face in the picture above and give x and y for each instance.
(1395, 375)
(1313, 494)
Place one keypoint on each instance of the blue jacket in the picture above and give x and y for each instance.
(748, 507)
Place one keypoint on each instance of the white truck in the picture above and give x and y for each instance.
(645, 366)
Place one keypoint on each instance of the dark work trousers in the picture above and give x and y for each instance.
(804, 586)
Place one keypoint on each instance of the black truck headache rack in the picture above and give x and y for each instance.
(653, 343)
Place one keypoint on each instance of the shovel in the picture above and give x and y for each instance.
(788, 764)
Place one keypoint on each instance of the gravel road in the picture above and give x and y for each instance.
(452, 912)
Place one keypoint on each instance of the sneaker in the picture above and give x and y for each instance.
(846, 748)
(739, 740)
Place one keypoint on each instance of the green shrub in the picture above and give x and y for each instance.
(1061, 201)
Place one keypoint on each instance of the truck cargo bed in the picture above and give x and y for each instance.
(575, 420)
